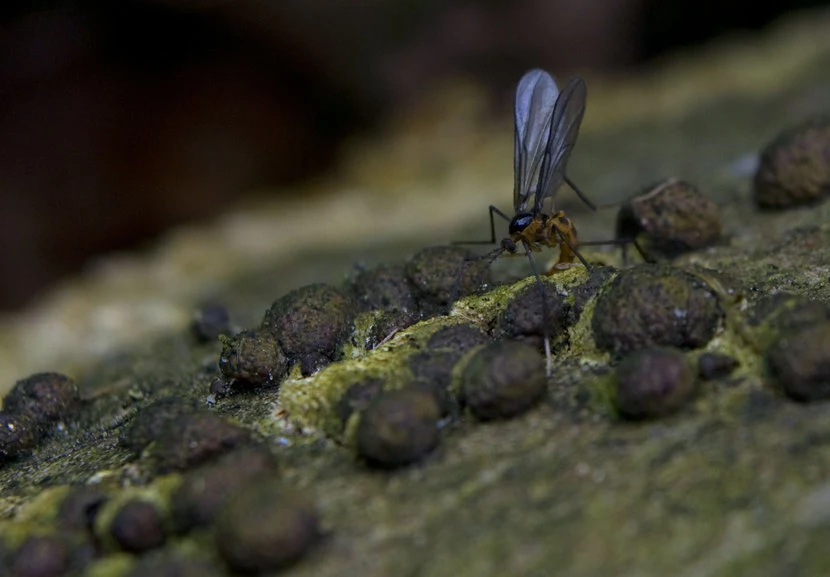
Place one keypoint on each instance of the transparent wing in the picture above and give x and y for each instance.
(564, 126)
(535, 98)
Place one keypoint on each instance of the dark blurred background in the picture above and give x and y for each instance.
(120, 119)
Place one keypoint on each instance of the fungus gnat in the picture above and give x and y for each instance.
(546, 126)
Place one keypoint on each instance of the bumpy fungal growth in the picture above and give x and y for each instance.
(357, 397)
(310, 323)
(523, 318)
(435, 272)
(461, 337)
(266, 527)
(254, 357)
(151, 420)
(138, 526)
(398, 427)
(206, 489)
(193, 439)
(503, 380)
(18, 433)
(799, 362)
(654, 305)
(795, 167)
(670, 218)
(385, 287)
(45, 397)
(653, 382)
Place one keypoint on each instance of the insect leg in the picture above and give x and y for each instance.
(580, 194)
(493, 210)
(624, 242)
(545, 316)
(572, 248)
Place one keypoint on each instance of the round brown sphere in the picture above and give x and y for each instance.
(503, 380)
(266, 527)
(654, 305)
(253, 357)
(670, 218)
(138, 527)
(46, 397)
(434, 272)
(653, 382)
(310, 323)
(399, 427)
(794, 168)
(799, 362)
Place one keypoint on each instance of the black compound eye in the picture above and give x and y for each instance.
(520, 222)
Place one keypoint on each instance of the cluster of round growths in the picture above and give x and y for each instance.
(229, 488)
(310, 326)
(32, 409)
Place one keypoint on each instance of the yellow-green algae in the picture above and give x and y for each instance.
(310, 402)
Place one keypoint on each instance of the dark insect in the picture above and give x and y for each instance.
(546, 126)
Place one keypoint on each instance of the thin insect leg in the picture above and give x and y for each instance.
(580, 194)
(624, 242)
(545, 316)
(573, 249)
(493, 210)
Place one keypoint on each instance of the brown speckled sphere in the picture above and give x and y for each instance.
(46, 397)
(310, 323)
(253, 357)
(799, 362)
(266, 527)
(795, 167)
(670, 218)
(503, 380)
(650, 305)
(206, 489)
(435, 271)
(399, 427)
(193, 439)
(138, 527)
(385, 287)
(524, 317)
(653, 382)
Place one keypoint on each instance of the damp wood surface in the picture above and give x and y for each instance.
(734, 484)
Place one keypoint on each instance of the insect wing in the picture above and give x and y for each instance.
(564, 127)
(536, 96)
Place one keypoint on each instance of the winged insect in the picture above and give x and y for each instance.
(547, 123)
